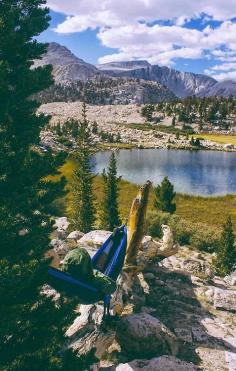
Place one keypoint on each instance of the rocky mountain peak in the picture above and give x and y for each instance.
(69, 69)
(124, 66)
(61, 55)
(224, 88)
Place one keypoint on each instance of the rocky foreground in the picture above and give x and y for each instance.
(118, 118)
(179, 316)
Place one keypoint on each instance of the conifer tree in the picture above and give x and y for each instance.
(164, 197)
(83, 213)
(225, 260)
(32, 328)
(110, 213)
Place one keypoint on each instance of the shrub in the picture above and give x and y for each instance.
(155, 221)
(164, 196)
(225, 260)
(198, 235)
(205, 238)
(182, 230)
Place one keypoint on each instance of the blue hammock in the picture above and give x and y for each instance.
(109, 259)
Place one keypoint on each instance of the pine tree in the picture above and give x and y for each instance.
(32, 328)
(110, 214)
(225, 260)
(164, 197)
(147, 111)
(83, 213)
(192, 141)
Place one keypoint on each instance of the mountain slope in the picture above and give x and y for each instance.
(78, 80)
(182, 84)
(66, 66)
(225, 89)
(124, 82)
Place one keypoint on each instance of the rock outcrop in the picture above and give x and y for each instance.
(178, 315)
(225, 299)
(144, 334)
(164, 363)
(152, 249)
(182, 84)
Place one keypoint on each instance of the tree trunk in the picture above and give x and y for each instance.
(136, 225)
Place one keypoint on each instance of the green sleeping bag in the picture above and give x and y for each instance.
(78, 264)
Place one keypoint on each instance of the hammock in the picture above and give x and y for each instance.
(109, 259)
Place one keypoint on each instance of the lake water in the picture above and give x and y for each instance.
(195, 172)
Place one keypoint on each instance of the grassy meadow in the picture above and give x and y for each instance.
(218, 138)
(211, 211)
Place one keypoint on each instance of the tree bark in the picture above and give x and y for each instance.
(136, 225)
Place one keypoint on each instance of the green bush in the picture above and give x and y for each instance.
(65, 141)
(155, 221)
(182, 230)
(198, 235)
(205, 238)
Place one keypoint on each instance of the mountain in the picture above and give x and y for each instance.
(182, 84)
(67, 67)
(76, 80)
(106, 90)
(225, 89)
(129, 81)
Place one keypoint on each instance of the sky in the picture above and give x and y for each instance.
(188, 35)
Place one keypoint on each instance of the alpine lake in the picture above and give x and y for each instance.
(205, 173)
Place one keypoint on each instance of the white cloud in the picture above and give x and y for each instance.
(122, 11)
(157, 44)
(224, 67)
(127, 26)
(225, 76)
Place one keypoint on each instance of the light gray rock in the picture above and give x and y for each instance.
(61, 223)
(184, 334)
(60, 247)
(210, 294)
(86, 334)
(93, 240)
(197, 266)
(228, 146)
(151, 249)
(199, 335)
(49, 292)
(146, 335)
(164, 363)
(75, 235)
(231, 279)
(225, 299)
(149, 276)
(231, 356)
(61, 234)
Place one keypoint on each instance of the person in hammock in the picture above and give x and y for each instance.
(78, 264)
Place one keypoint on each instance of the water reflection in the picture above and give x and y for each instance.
(195, 172)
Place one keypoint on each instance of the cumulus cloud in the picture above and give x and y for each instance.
(122, 11)
(162, 44)
(224, 67)
(131, 28)
(225, 76)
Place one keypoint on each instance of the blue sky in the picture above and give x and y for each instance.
(196, 36)
(83, 44)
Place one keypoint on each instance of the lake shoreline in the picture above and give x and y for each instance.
(203, 173)
(209, 210)
(115, 146)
